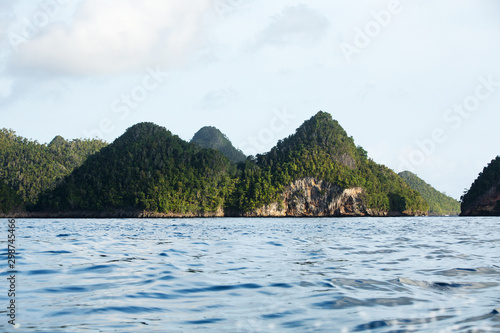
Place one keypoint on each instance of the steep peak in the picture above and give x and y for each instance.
(58, 141)
(322, 115)
(322, 130)
(212, 138)
(209, 137)
(320, 134)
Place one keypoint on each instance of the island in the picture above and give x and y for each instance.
(150, 172)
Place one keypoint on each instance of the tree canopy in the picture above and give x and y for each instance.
(147, 168)
(28, 167)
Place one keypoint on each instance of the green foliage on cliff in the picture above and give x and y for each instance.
(321, 148)
(490, 177)
(28, 167)
(211, 137)
(439, 203)
(147, 168)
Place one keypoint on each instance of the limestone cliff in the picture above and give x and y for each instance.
(312, 197)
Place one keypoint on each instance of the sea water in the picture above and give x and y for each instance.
(415, 274)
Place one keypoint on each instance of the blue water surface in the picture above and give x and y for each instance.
(418, 274)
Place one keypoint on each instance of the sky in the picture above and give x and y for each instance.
(415, 83)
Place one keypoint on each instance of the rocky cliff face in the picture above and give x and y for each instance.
(486, 205)
(312, 197)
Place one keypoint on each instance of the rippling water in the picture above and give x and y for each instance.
(257, 275)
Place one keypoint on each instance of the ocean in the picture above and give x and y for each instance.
(412, 274)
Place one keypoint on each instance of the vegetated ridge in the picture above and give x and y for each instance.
(439, 203)
(148, 171)
(28, 168)
(321, 151)
(483, 197)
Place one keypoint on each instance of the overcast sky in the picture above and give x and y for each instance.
(416, 83)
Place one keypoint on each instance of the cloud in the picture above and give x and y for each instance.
(225, 8)
(108, 37)
(217, 99)
(298, 24)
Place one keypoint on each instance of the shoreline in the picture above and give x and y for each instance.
(155, 215)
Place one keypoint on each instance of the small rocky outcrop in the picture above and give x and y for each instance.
(347, 160)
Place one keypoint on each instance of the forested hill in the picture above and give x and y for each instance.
(439, 203)
(146, 169)
(27, 167)
(321, 148)
(211, 137)
(483, 197)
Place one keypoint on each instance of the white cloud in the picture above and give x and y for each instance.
(225, 8)
(297, 24)
(217, 99)
(113, 36)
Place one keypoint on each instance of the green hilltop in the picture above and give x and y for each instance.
(439, 203)
(211, 137)
(147, 168)
(321, 148)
